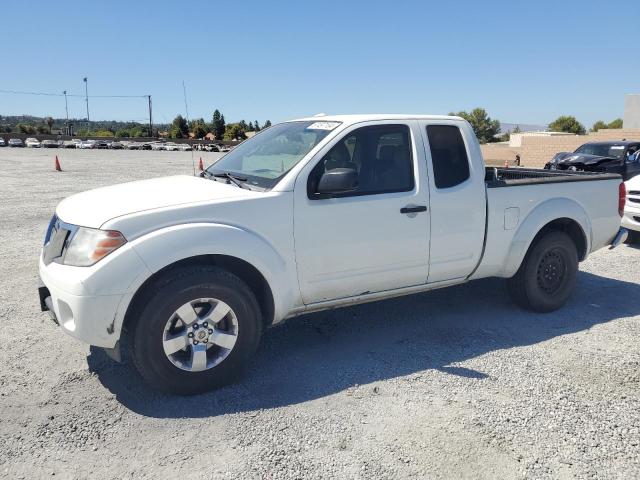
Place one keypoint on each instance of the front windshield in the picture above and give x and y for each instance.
(602, 150)
(264, 159)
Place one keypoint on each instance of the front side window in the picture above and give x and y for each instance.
(265, 158)
(380, 155)
(448, 155)
(602, 150)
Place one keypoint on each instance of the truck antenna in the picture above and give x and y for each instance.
(186, 110)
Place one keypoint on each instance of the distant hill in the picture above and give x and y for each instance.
(508, 127)
(9, 123)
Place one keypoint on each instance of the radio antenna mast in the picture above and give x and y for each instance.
(186, 109)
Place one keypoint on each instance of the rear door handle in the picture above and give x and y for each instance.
(413, 209)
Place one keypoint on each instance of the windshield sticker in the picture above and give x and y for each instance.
(617, 147)
(323, 126)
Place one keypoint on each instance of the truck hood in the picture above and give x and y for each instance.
(95, 207)
(584, 159)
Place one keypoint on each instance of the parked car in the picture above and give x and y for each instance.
(171, 147)
(631, 218)
(225, 148)
(191, 269)
(2, 142)
(102, 144)
(77, 142)
(116, 146)
(134, 146)
(49, 144)
(185, 147)
(145, 146)
(87, 144)
(609, 156)
(69, 144)
(32, 142)
(212, 147)
(16, 142)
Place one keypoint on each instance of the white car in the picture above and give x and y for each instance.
(631, 218)
(172, 147)
(309, 215)
(185, 147)
(87, 144)
(32, 143)
(158, 146)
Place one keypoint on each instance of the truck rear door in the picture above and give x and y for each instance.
(457, 198)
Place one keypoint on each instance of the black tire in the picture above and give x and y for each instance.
(547, 275)
(633, 238)
(170, 292)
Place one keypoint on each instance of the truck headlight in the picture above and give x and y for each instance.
(88, 245)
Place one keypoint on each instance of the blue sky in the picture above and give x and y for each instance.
(525, 62)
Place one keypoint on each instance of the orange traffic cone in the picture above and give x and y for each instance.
(200, 166)
(506, 164)
(58, 167)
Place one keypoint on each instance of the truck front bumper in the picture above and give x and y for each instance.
(89, 303)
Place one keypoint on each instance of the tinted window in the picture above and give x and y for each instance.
(381, 155)
(448, 155)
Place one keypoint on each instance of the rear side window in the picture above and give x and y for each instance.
(448, 154)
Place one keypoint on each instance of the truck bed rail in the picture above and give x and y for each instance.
(508, 177)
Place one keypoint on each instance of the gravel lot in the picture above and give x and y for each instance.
(457, 383)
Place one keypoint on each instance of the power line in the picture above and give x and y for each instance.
(48, 94)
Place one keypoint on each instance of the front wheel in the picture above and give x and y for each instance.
(197, 332)
(547, 276)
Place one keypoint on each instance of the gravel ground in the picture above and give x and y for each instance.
(456, 383)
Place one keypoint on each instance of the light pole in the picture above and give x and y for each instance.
(86, 99)
(66, 109)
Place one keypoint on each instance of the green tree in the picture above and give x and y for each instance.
(234, 132)
(218, 124)
(617, 123)
(251, 127)
(24, 128)
(198, 128)
(568, 124)
(256, 125)
(103, 133)
(599, 125)
(179, 128)
(122, 133)
(483, 126)
(267, 124)
(41, 129)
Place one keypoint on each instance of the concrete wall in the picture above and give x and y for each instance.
(631, 111)
(536, 151)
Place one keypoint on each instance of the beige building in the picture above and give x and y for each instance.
(537, 149)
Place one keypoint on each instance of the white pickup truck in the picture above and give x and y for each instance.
(308, 215)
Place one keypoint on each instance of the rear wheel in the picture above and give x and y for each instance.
(547, 276)
(197, 332)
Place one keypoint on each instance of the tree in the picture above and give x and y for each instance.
(256, 125)
(198, 128)
(483, 126)
(267, 124)
(49, 122)
(234, 132)
(251, 127)
(617, 123)
(218, 124)
(122, 133)
(568, 124)
(179, 128)
(243, 125)
(41, 129)
(24, 128)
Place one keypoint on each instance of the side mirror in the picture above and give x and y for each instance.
(338, 180)
(634, 157)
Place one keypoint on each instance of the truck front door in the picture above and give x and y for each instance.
(375, 237)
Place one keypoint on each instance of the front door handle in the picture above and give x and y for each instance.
(413, 209)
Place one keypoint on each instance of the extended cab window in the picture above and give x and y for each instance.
(448, 155)
(380, 155)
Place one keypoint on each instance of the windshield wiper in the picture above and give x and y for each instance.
(233, 178)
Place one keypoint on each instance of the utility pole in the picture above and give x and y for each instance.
(150, 117)
(66, 109)
(86, 99)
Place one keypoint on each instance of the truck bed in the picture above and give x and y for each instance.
(496, 177)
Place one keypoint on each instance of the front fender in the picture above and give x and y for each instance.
(541, 215)
(164, 247)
